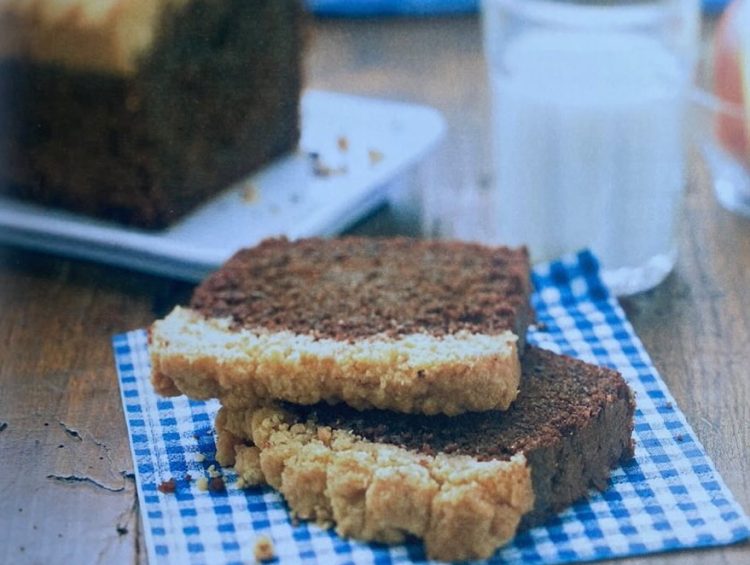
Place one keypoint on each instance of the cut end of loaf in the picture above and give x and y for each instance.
(417, 373)
(462, 508)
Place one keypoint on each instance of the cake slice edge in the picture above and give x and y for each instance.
(306, 456)
(461, 507)
(417, 373)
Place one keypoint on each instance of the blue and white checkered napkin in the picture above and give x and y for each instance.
(669, 497)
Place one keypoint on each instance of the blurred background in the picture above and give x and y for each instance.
(555, 124)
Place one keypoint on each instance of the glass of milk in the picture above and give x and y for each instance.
(589, 101)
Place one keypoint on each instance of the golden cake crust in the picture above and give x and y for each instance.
(396, 323)
(461, 507)
(106, 35)
(418, 373)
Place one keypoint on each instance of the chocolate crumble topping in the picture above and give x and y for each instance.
(354, 288)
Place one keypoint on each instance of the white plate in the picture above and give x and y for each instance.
(364, 143)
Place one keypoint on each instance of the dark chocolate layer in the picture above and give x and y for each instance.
(572, 420)
(357, 287)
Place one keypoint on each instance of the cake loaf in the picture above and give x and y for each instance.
(399, 324)
(463, 484)
(138, 110)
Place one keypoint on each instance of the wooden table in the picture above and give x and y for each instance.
(67, 492)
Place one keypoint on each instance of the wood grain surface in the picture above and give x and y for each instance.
(67, 493)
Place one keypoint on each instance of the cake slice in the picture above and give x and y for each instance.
(398, 324)
(463, 483)
(138, 111)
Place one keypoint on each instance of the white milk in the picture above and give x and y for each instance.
(588, 152)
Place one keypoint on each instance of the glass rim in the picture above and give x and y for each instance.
(597, 14)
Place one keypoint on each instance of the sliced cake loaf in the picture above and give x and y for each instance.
(137, 111)
(397, 324)
(463, 483)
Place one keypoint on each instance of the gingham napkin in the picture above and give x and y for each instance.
(670, 497)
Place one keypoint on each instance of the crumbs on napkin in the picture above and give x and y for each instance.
(264, 549)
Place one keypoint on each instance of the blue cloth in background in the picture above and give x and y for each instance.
(714, 6)
(363, 8)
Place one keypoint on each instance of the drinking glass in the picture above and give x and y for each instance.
(589, 102)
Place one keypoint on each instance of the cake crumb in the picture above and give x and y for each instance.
(202, 483)
(251, 194)
(264, 550)
(216, 484)
(321, 169)
(199, 457)
(168, 487)
(375, 156)
(343, 143)
(212, 472)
